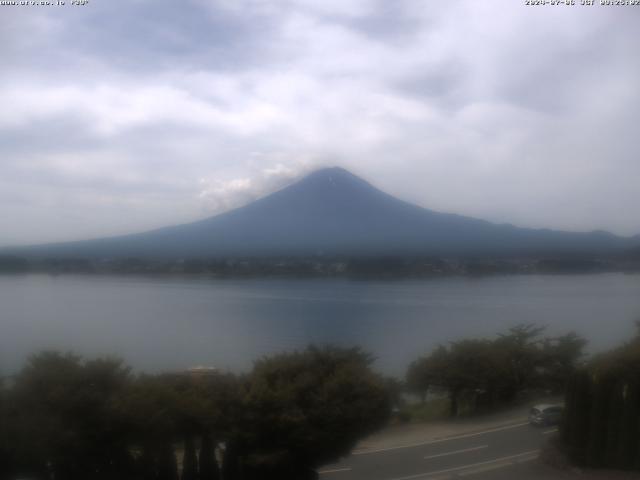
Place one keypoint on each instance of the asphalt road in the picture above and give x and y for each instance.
(496, 453)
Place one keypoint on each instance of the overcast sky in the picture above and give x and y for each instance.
(123, 115)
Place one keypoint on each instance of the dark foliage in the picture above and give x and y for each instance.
(207, 462)
(486, 373)
(190, 460)
(10, 264)
(602, 420)
(66, 418)
(308, 408)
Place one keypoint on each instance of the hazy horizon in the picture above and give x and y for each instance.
(264, 195)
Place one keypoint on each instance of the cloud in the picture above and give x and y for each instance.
(222, 195)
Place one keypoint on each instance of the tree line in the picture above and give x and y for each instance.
(64, 417)
(478, 374)
(601, 427)
(391, 266)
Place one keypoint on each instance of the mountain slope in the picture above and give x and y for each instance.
(332, 211)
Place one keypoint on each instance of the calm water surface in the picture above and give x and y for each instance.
(173, 323)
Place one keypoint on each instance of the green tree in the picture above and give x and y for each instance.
(427, 372)
(167, 465)
(575, 426)
(70, 418)
(231, 462)
(614, 423)
(468, 369)
(602, 417)
(561, 356)
(66, 416)
(598, 420)
(521, 350)
(208, 464)
(6, 462)
(152, 407)
(629, 444)
(480, 373)
(190, 460)
(308, 408)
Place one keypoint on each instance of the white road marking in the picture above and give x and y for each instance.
(496, 466)
(550, 431)
(440, 440)
(335, 470)
(471, 465)
(473, 449)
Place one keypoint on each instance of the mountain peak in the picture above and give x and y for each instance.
(331, 171)
(334, 177)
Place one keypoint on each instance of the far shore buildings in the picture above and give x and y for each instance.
(201, 371)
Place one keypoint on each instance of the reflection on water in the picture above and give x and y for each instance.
(172, 323)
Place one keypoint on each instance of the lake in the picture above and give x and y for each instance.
(170, 323)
